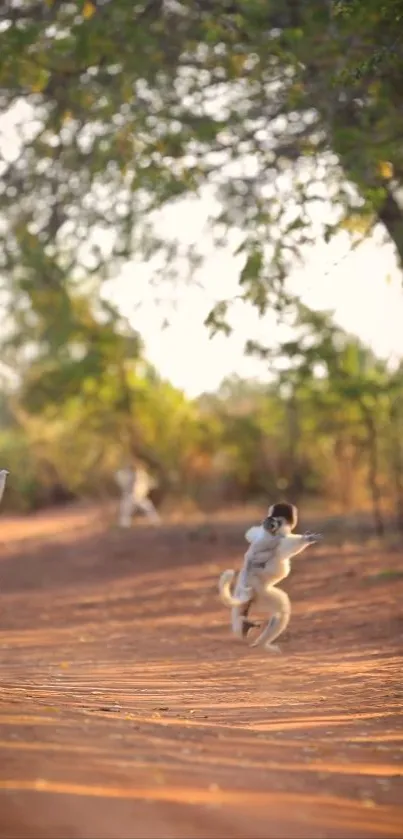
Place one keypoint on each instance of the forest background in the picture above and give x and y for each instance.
(284, 122)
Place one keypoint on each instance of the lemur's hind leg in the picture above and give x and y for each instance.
(126, 509)
(240, 621)
(278, 604)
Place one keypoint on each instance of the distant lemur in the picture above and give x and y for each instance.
(267, 561)
(3, 479)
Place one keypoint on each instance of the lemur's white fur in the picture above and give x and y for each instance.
(3, 478)
(135, 484)
(266, 563)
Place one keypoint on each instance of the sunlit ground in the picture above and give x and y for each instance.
(128, 710)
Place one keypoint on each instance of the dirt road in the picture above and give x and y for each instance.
(127, 710)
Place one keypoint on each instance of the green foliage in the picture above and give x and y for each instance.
(130, 107)
(125, 108)
(328, 426)
(380, 28)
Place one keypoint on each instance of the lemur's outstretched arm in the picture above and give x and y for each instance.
(270, 550)
(295, 543)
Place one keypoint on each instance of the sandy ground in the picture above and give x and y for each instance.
(127, 710)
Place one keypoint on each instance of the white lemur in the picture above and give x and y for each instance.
(267, 561)
(135, 484)
(3, 478)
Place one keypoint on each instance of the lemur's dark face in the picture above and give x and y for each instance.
(273, 524)
(287, 512)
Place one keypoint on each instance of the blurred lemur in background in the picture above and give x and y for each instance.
(3, 479)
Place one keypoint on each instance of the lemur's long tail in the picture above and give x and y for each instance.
(224, 588)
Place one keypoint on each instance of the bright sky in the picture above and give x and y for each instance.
(362, 287)
(353, 284)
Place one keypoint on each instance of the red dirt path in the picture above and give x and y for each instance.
(127, 710)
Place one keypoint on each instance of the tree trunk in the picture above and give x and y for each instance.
(373, 473)
(341, 453)
(391, 216)
(397, 464)
(295, 480)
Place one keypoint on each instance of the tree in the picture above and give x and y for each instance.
(380, 26)
(346, 384)
(125, 108)
(78, 360)
(133, 106)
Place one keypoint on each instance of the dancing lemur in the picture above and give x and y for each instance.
(267, 561)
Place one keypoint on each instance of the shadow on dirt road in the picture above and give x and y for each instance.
(127, 710)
